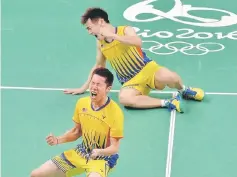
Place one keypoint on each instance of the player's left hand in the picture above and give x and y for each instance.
(95, 153)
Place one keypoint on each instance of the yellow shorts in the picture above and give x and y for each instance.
(72, 164)
(144, 81)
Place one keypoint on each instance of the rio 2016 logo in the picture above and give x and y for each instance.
(181, 10)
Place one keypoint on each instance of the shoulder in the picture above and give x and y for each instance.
(114, 107)
(124, 29)
(83, 100)
(127, 28)
(98, 43)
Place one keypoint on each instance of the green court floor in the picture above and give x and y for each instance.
(45, 49)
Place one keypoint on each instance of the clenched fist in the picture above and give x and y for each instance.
(51, 140)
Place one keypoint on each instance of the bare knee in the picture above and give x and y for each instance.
(174, 77)
(127, 97)
(165, 76)
(126, 100)
(48, 169)
(36, 173)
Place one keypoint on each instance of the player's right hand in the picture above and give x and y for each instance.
(74, 91)
(51, 140)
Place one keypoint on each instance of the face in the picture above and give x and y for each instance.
(98, 88)
(93, 28)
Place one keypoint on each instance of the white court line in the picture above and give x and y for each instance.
(61, 89)
(170, 143)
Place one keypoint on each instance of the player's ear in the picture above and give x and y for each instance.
(100, 22)
(108, 88)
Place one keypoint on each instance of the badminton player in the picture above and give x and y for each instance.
(99, 121)
(137, 73)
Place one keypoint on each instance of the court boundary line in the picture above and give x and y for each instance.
(115, 91)
(170, 142)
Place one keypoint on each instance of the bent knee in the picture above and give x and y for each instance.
(174, 78)
(127, 97)
(36, 173)
(46, 169)
(125, 100)
(167, 76)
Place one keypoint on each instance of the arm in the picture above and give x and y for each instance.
(116, 134)
(71, 135)
(112, 149)
(100, 62)
(75, 132)
(130, 37)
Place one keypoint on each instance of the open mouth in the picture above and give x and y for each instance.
(93, 94)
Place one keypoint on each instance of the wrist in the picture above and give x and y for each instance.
(100, 152)
(58, 140)
(115, 36)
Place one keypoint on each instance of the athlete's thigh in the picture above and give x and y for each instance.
(147, 76)
(48, 169)
(130, 91)
(97, 168)
(163, 77)
(144, 81)
(69, 163)
(136, 86)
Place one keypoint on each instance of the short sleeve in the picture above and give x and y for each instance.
(117, 127)
(76, 117)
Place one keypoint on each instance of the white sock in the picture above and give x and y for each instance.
(183, 89)
(164, 103)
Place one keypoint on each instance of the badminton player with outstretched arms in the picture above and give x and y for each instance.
(99, 121)
(137, 73)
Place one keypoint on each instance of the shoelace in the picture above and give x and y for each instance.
(189, 93)
(171, 106)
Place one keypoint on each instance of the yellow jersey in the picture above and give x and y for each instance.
(98, 125)
(126, 60)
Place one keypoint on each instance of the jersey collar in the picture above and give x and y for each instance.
(107, 102)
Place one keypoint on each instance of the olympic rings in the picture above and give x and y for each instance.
(188, 49)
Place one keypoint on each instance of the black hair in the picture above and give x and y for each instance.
(94, 14)
(107, 74)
